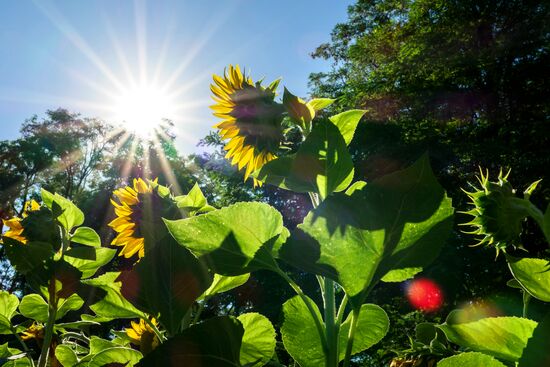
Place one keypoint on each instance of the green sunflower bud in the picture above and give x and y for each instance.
(497, 212)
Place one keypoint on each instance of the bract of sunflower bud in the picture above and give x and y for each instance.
(497, 212)
(139, 210)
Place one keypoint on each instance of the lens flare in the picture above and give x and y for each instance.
(425, 295)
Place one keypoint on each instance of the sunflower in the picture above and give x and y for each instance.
(35, 331)
(251, 119)
(143, 335)
(129, 211)
(15, 230)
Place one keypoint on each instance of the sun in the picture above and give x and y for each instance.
(142, 110)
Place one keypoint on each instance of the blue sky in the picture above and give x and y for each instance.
(78, 54)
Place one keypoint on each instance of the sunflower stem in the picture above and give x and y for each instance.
(157, 332)
(310, 306)
(351, 335)
(52, 313)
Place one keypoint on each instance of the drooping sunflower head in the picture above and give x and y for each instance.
(142, 335)
(15, 225)
(251, 119)
(498, 213)
(139, 210)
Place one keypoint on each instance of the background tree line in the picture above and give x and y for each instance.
(466, 81)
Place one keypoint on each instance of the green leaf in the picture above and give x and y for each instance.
(234, 240)
(88, 260)
(300, 112)
(322, 164)
(398, 221)
(470, 359)
(533, 274)
(536, 353)
(258, 343)
(215, 342)
(193, 202)
(66, 356)
(126, 357)
(347, 123)
(222, 283)
(86, 236)
(8, 308)
(299, 333)
(167, 281)
(71, 216)
(400, 275)
(372, 326)
(33, 306)
(426, 332)
(73, 303)
(76, 324)
(109, 303)
(320, 103)
(500, 337)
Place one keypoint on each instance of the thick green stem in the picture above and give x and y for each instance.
(526, 299)
(330, 325)
(48, 334)
(342, 310)
(308, 302)
(351, 335)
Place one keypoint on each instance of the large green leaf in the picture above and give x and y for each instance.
(8, 308)
(71, 215)
(33, 306)
(116, 356)
(88, 260)
(322, 164)
(258, 343)
(234, 240)
(470, 359)
(86, 236)
(400, 275)
(222, 283)
(12, 357)
(72, 303)
(166, 282)
(300, 335)
(320, 103)
(537, 351)
(66, 355)
(107, 300)
(501, 337)
(347, 123)
(398, 221)
(215, 342)
(533, 275)
(372, 326)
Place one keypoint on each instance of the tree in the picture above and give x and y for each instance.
(466, 81)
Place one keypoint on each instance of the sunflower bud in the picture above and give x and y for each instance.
(498, 213)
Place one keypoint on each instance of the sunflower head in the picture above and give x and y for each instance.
(139, 210)
(497, 213)
(142, 335)
(15, 224)
(35, 331)
(251, 119)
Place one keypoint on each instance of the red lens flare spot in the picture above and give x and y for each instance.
(425, 295)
